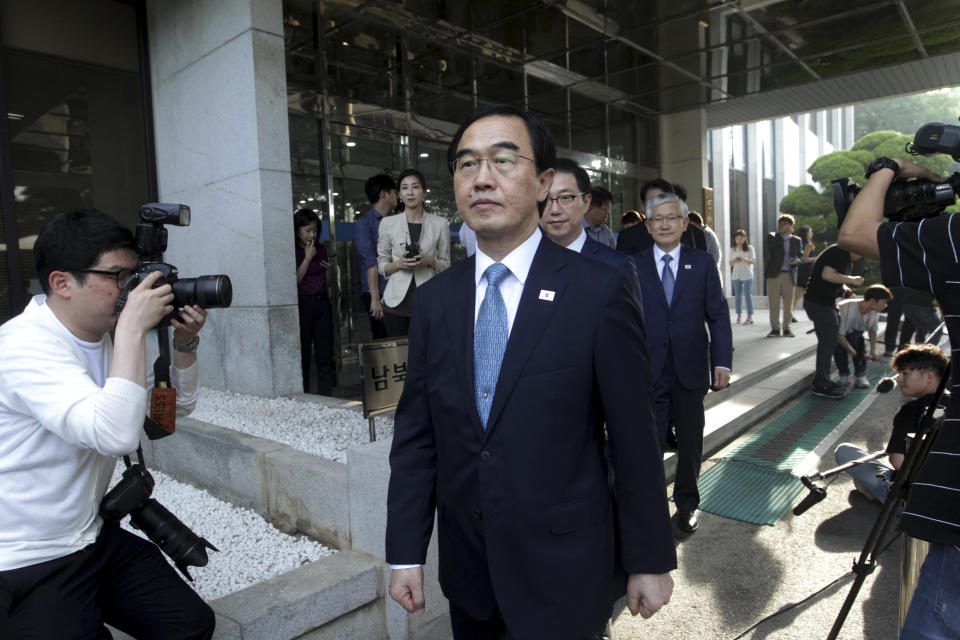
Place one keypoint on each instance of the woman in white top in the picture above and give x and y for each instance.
(413, 247)
(742, 258)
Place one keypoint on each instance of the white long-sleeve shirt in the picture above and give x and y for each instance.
(60, 433)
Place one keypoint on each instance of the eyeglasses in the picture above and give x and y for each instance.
(565, 200)
(469, 166)
(661, 219)
(121, 276)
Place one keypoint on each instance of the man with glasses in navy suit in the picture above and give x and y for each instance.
(681, 293)
(518, 357)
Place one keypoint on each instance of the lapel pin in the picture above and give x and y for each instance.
(686, 266)
(546, 295)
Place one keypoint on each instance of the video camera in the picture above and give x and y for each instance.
(208, 292)
(916, 199)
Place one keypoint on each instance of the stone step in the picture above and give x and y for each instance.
(747, 404)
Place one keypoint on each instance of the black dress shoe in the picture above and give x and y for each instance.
(687, 521)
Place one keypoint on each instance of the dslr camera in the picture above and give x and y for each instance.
(916, 199)
(132, 496)
(207, 292)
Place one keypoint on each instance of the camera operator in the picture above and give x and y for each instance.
(71, 400)
(919, 369)
(922, 255)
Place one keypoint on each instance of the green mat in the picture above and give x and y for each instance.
(752, 482)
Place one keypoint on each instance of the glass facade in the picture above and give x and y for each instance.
(373, 93)
(74, 129)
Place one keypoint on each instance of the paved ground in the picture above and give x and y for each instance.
(732, 574)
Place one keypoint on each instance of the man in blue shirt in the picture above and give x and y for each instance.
(596, 216)
(381, 190)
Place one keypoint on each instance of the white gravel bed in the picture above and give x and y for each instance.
(313, 428)
(251, 549)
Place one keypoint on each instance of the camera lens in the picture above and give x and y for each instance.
(208, 292)
(173, 537)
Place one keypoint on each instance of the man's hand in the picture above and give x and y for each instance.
(911, 170)
(146, 306)
(646, 592)
(376, 309)
(721, 378)
(406, 587)
(191, 320)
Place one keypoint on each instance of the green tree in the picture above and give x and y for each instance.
(807, 201)
(906, 114)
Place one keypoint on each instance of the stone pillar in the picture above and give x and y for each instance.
(683, 152)
(220, 114)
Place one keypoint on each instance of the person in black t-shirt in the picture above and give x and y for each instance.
(829, 274)
(919, 369)
(923, 255)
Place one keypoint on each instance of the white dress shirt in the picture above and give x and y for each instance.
(518, 262)
(658, 254)
(577, 245)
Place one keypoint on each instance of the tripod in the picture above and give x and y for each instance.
(927, 430)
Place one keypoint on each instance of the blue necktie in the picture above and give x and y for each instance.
(667, 278)
(489, 341)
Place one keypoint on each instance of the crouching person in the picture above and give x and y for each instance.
(919, 367)
(71, 400)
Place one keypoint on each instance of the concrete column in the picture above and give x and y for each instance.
(721, 196)
(220, 110)
(683, 153)
(849, 132)
(754, 153)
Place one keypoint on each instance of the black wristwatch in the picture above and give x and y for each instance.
(883, 163)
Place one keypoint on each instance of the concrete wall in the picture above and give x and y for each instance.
(344, 506)
(220, 110)
(683, 152)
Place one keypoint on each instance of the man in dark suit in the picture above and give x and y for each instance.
(782, 252)
(563, 215)
(681, 290)
(638, 238)
(518, 357)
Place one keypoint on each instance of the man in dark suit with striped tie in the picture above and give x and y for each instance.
(518, 357)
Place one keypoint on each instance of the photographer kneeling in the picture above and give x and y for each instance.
(919, 369)
(71, 400)
(922, 255)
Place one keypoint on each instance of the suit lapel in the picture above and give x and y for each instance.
(647, 261)
(684, 273)
(533, 314)
(463, 304)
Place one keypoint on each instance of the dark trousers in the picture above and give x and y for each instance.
(121, 580)
(826, 324)
(894, 313)
(856, 341)
(923, 317)
(378, 329)
(685, 406)
(466, 628)
(316, 339)
(397, 326)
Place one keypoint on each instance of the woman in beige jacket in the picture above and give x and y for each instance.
(413, 247)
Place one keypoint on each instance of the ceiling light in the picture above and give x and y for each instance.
(14, 116)
(424, 155)
(351, 144)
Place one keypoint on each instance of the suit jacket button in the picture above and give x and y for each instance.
(484, 456)
(478, 514)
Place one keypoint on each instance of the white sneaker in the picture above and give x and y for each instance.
(844, 380)
(862, 382)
